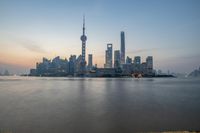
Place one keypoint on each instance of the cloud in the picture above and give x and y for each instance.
(12, 38)
(141, 50)
(32, 46)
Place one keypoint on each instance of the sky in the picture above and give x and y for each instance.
(168, 30)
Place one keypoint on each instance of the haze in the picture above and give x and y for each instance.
(169, 30)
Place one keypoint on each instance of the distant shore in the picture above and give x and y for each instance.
(105, 76)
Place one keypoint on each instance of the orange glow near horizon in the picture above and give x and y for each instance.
(28, 59)
(21, 52)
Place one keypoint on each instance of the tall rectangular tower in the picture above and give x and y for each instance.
(137, 60)
(117, 59)
(90, 64)
(149, 62)
(122, 47)
(108, 63)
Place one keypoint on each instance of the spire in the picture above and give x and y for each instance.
(83, 24)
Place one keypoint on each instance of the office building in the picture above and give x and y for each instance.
(128, 60)
(117, 59)
(122, 48)
(108, 57)
(72, 64)
(90, 63)
(149, 65)
(137, 60)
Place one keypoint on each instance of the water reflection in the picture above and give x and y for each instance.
(99, 105)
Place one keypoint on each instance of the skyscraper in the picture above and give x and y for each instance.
(137, 64)
(122, 47)
(72, 64)
(108, 57)
(128, 60)
(90, 64)
(137, 60)
(117, 59)
(83, 39)
(149, 63)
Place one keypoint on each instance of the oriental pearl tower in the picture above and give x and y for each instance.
(83, 39)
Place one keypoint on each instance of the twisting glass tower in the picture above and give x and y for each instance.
(83, 39)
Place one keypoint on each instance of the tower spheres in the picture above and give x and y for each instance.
(77, 66)
(83, 39)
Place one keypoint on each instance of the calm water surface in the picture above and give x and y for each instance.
(98, 105)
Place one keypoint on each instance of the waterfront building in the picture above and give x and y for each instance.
(46, 63)
(108, 57)
(42, 68)
(90, 63)
(33, 72)
(128, 60)
(127, 69)
(65, 66)
(117, 59)
(77, 64)
(56, 62)
(144, 68)
(137, 64)
(149, 62)
(105, 72)
(137, 60)
(72, 64)
(56, 67)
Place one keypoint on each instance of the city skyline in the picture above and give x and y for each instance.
(174, 44)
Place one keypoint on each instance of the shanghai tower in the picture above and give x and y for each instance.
(83, 39)
(122, 47)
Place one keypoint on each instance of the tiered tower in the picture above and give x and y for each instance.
(83, 39)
